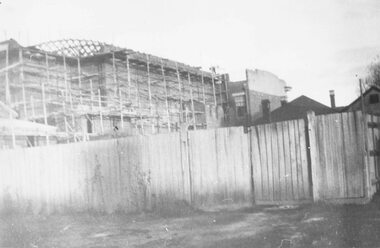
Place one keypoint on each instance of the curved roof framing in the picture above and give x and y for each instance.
(86, 48)
(76, 47)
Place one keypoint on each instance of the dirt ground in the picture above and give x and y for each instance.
(304, 226)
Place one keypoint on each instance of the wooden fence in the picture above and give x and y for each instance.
(331, 158)
(220, 166)
(280, 165)
(339, 159)
(323, 158)
(201, 168)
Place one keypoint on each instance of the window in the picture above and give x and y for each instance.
(89, 126)
(265, 104)
(241, 106)
(373, 98)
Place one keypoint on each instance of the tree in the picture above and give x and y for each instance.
(373, 78)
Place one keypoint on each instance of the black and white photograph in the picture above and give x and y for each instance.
(189, 123)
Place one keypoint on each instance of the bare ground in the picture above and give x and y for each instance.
(306, 226)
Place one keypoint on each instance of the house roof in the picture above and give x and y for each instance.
(368, 91)
(11, 44)
(297, 109)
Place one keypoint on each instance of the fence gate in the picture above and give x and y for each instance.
(280, 167)
(340, 169)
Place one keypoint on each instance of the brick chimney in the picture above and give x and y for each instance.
(284, 100)
(332, 98)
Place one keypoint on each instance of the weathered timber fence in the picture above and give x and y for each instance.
(280, 165)
(220, 166)
(332, 158)
(340, 170)
(201, 168)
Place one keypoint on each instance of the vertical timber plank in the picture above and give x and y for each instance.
(269, 163)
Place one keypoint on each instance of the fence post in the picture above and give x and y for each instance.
(249, 134)
(314, 160)
(184, 139)
(362, 116)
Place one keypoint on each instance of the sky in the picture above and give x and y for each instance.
(315, 46)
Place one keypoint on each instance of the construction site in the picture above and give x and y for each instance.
(90, 89)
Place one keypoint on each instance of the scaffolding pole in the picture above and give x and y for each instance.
(139, 106)
(7, 87)
(100, 111)
(22, 79)
(64, 116)
(180, 92)
(65, 79)
(149, 91)
(44, 103)
(44, 109)
(204, 98)
(114, 76)
(47, 68)
(166, 95)
(43, 93)
(226, 89)
(80, 81)
(121, 111)
(91, 95)
(213, 88)
(128, 77)
(70, 98)
(118, 90)
(192, 101)
(203, 90)
(220, 94)
(32, 105)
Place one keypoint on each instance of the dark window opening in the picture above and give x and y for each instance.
(224, 107)
(265, 104)
(241, 106)
(373, 98)
(241, 110)
(89, 126)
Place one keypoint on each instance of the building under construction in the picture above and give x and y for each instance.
(89, 88)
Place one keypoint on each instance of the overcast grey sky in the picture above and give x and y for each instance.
(313, 45)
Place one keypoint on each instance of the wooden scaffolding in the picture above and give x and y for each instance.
(90, 87)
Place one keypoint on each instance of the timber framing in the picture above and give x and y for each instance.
(92, 87)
